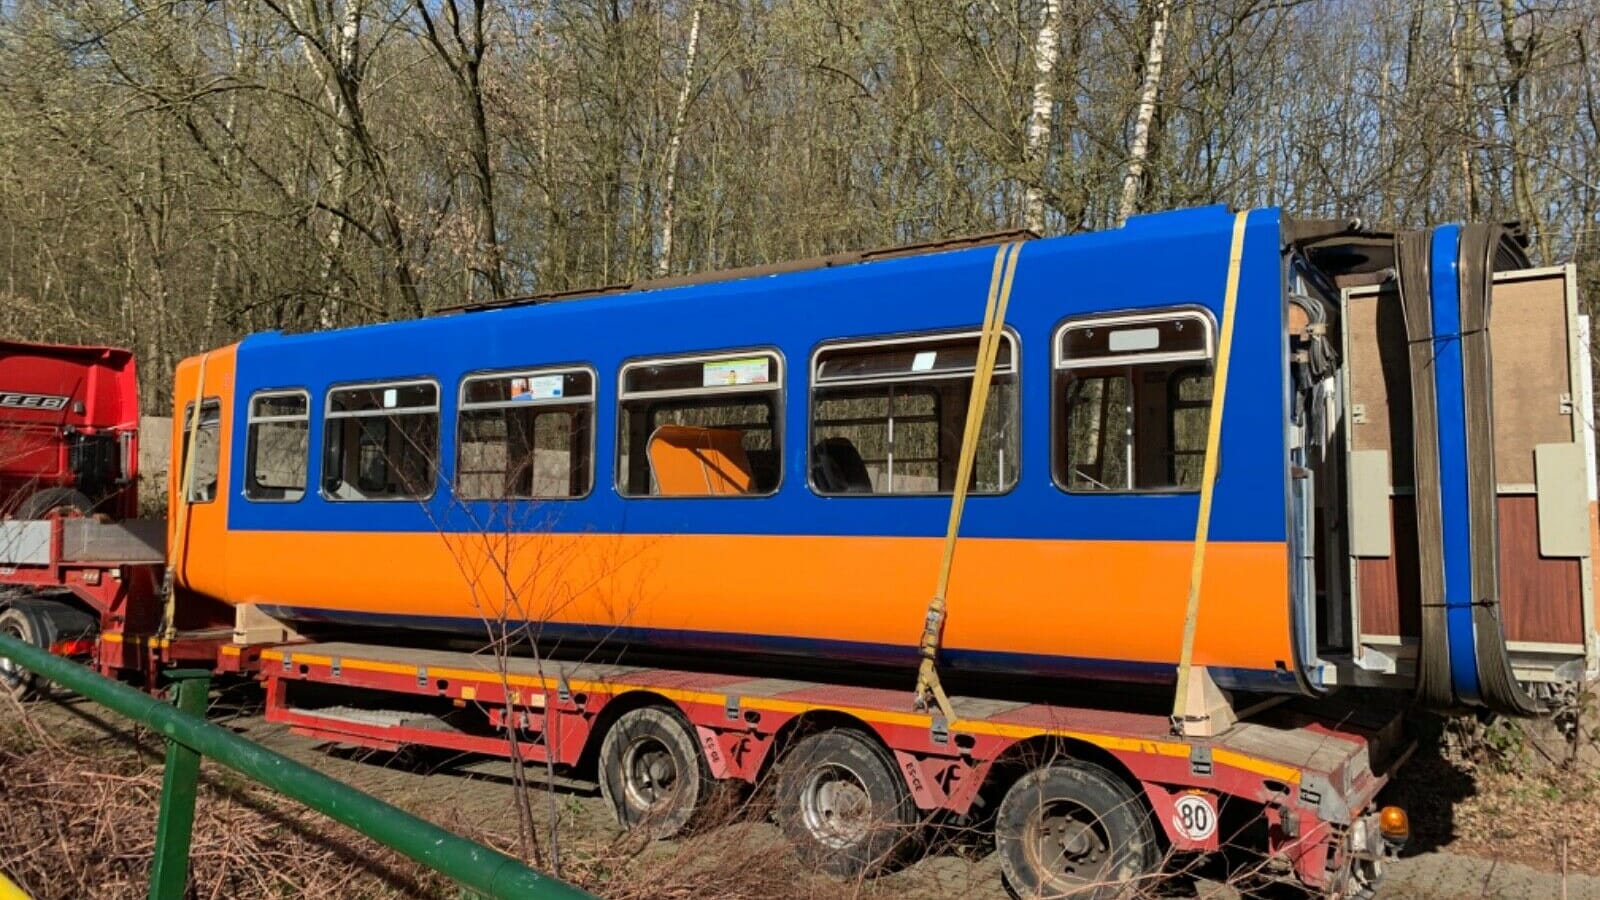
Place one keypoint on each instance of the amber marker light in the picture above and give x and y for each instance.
(1394, 824)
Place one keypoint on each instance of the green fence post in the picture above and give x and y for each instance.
(169, 874)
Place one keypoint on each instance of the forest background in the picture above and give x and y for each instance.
(174, 175)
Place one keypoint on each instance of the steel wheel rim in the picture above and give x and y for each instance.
(1065, 842)
(11, 674)
(649, 773)
(835, 806)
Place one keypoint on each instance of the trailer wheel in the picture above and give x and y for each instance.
(651, 772)
(843, 804)
(26, 624)
(1073, 829)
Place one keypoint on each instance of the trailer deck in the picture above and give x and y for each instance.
(1312, 777)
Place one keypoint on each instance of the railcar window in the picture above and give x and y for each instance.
(208, 448)
(382, 441)
(887, 416)
(1133, 398)
(525, 435)
(279, 439)
(703, 426)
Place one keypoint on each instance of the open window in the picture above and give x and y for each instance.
(1132, 401)
(382, 441)
(279, 440)
(525, 435)
(207, 437)
(887, 416)
(705, 426)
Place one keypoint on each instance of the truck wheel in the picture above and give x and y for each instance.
(843, 804)
(651, 772)
(65, 501)
(29, 626)
(1073, 829)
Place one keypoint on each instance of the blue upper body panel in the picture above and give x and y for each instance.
(1156, 261)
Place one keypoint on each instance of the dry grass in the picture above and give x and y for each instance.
(79, 820)
(79, 811)
(1522, 791)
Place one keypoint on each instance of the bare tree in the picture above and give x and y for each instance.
(462, 54)
(1149, 92)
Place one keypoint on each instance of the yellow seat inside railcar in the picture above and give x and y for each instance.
(693, 461)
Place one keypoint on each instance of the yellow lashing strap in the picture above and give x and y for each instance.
(177, 552)
(9, 889)
(994, 320)
(1208, 474)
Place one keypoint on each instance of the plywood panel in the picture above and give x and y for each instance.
(1388, 586)
(1540, 596)
(1380, 384)
(1531, 371)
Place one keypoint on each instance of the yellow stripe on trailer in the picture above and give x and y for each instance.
(1110, 742)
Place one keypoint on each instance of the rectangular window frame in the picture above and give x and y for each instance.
(251, 420)
(463, 406)
(1013, 368)
(777, 386)
(329, 415)
(1123, 363)
(214, 403)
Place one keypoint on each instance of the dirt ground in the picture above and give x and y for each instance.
(1479, 833)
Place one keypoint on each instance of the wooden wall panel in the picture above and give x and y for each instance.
(1388, 587)
(1541, 597)
(1528, 330)
(1380, 380)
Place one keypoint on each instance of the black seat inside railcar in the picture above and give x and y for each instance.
(763, 471)
(837, 468)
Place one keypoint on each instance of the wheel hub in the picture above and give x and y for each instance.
(650, 776)
(1065, 840)
(835, 806)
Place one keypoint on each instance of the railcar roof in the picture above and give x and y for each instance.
(828, 273)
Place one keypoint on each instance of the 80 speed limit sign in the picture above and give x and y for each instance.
(1195, 817)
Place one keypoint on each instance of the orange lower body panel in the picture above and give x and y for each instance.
(1087, 600)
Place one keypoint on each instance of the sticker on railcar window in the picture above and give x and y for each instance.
(538, 387)
(15, 400)
(1125, 340)
(725, 372)
(1195, 817)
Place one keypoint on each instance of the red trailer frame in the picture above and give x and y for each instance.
(1311, 779)
(96, 591)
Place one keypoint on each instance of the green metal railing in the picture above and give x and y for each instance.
(189, 737)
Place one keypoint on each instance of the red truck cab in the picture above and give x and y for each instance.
(69, 431)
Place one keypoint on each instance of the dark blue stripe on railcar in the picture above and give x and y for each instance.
(667, 639)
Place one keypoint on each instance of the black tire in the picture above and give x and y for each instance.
(25, 623)
(843, 804)
(1073, 829)
(62, 500)
(652, 773)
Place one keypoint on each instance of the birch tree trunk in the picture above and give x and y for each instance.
(674, 144)
(1148, 93)
(1046, 50)
(1461, 63)
(336, 68)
